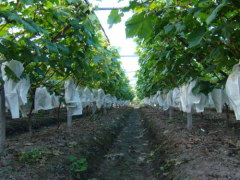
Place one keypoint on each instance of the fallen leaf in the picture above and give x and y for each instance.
(189, 146)
(28, 144)
(166, 174)
(17, 168)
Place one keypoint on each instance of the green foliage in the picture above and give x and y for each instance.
(179, 41)
(140, 25)
(11, 74)
(78, 165)
(214, 13)
(114, 17)
(170, 121)
(196, 36)
(59, 39)
(32, 155)
(170, 164)
(203, 87)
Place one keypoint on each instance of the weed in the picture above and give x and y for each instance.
(171, 163)
(170, 120)
(78, 165)
(31, 156)
(1, 155)
(153, 155)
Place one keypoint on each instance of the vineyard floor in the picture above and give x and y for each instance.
(40, 120)
(127, 144)
(209, 151)
(128, 159)
(55, 153)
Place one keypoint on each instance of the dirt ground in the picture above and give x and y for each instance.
(209, 151)
(128, 157)
(55, 153)
(127, 143)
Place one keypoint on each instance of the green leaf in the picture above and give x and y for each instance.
(141, 25)
(203, 1)
(210, 69)
(10, 74)
(132, 5)
(38, 28)
(97, 59)
(217, 53)
(3, 32)
(214, 13)
(36, 47)
(27, 2)
(93, 17)
(28, 26)
(114, 17)
(51, 47)
(91, 42)
(169, 2)
(179, 26)
(72, 158)
(72, 1)
(204, 87)
(82, 160)
(195, 37)
(12, 16)
(80, 37)
(168, 28)
(63, 49)
(227, 30)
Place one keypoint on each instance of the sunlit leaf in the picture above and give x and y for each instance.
(114, 17)
(141, 25)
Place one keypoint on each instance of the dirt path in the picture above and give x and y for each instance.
(127, 159)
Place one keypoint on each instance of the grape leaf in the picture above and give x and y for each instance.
(114, 17)
(141, 25)
(196, 37)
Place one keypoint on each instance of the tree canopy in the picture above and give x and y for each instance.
(57, 39)
(184, 40)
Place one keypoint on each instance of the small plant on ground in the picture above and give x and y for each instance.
(169, 164)
(170, 120)
(32, 155)
(78, 164)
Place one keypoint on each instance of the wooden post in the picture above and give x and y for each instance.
(94, 107)
(58, 114)
(2, 121)
(170, 111)
(104, 110)
(31, 112)
(202, 116)
(227, 116)
(189, 121)
(30, 119)
(69, 118)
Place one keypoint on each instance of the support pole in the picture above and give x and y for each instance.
(189, 121)
(104, 110)
(227, 116)
(94, 107)
(2, 121)
(170, 111)
(69, 118)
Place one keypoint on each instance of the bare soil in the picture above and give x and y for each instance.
(127, 144)
(209, 151)
(128, 159)
(55, 153)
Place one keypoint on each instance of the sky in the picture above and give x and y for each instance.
(117, 36)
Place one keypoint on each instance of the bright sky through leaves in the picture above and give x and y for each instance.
(117, 36)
